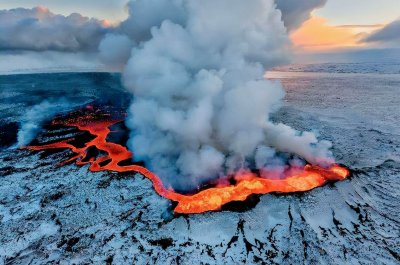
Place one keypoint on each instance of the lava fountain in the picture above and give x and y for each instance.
(242, 184)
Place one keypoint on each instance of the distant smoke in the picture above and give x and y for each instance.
(33, 119)
(295, 12)
(38, 29)
(201, 105)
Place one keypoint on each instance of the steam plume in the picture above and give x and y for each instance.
(32, 121)
(201, 105)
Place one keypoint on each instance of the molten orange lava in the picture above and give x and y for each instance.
(210, 199)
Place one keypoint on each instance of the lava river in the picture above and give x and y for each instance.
(211, 199)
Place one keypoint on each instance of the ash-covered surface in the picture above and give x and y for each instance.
(51, 214)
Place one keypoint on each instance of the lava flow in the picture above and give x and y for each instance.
(211, 199)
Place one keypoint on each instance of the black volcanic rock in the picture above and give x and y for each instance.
(8, 133)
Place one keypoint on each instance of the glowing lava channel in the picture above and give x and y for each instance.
(210, 199)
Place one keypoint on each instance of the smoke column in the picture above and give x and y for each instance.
(201, 105)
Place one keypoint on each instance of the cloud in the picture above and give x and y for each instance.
(390, 34)
(362, 26)
(112, 10)
(38, 29)
(295, 12)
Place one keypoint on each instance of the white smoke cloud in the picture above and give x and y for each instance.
(36, 116)
(201, 105)
(38, 29)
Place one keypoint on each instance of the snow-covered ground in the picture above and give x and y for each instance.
(356, 67)
(67, 215)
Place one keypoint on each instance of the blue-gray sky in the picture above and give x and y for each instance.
(344, 12)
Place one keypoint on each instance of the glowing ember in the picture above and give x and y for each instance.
(210, 199)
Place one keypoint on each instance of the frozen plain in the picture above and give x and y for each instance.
(68, 215)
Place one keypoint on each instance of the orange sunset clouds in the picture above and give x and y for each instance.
(317, 34)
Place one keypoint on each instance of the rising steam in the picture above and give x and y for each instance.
(32, 121)
(201, 106)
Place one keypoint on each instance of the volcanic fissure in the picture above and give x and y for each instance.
(113, 157)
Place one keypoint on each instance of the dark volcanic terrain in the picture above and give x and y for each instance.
(68, 215)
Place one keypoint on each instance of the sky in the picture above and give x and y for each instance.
(360, 12)
(342, 24)
(337, 12)
(337, 27)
